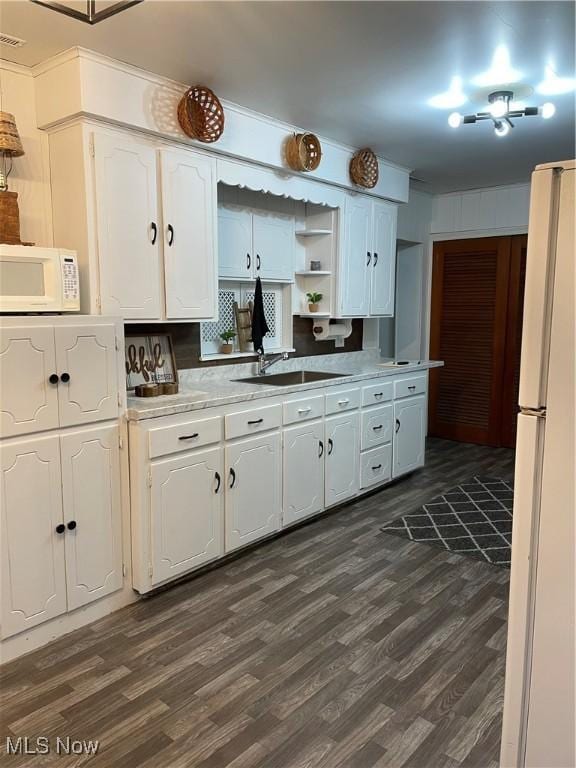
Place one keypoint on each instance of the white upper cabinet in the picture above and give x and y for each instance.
(383, 258)
(189, 233)
(88, 379)
(28, 380)
(255, 243)
(91, 500)
(234, 242)
(127, 227)
(368, 258)
(31, 534)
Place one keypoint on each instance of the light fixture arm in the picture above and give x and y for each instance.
(91, 16)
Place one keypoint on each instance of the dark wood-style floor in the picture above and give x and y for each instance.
(333, 646)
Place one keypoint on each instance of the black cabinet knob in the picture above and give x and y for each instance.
(53, 378)
(65, 377)
(60, 528)
(71, 525)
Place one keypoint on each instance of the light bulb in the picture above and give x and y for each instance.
(455, 120)
(501, 129)
(547, 110)
(498, 108)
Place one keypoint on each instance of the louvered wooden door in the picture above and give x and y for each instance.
(476, 323)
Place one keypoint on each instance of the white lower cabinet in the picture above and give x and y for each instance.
(60, 525)
(253, 493)
(376, 466)
(187, 512)
(410, 434)
(303, 476)
(342, 456)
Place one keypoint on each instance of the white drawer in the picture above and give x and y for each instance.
(302, 410)
(377, 393)
(253, 421)
(377, 426)
(163, 441)
(410, 385)
(376, 466)
(343, 400)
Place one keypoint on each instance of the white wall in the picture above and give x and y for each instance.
(30, 176)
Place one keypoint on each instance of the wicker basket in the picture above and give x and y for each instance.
(201, 115)
(303, 152)
(9, 218)
(364, 168)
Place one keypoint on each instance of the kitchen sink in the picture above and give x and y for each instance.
(291, 377)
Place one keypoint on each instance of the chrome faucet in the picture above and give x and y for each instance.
(265, 362)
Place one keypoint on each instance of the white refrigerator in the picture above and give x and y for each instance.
(539, 713)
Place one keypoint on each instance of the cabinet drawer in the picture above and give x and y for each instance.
(410, 385)
(251, 422)
(343, 400)
(377, 426)
(163, 441)
(377, 393)
(376, 466)
(302, 410)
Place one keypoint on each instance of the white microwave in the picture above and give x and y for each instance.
(38, 280)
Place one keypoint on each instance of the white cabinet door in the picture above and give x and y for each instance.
(29, 401)
(356, 263)
(86, 364)
(273, 245)
(410, 434)
(92, 513)
(253, 493)
(127, 224)
(32, 562)
(235, 258)
(187, 512)
(303, 477)
(342, 457)
(383, 258)
(189, 223)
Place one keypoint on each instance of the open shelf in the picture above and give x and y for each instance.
(322, 315)
(313, 273)
(313, 232)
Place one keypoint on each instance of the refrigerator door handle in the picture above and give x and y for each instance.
(539, 413)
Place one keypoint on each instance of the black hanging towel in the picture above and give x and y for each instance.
(259, 325)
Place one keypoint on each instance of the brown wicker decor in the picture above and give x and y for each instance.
(200, 114)
(9, 218)
(364, 168)
(303, 152)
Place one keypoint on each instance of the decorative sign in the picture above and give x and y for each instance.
(149, 360)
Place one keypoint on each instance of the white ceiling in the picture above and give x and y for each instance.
(358, 72)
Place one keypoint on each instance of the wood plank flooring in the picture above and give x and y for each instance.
(336, 646)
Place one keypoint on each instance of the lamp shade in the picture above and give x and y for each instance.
(10, 143)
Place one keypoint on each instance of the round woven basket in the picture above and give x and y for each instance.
(201, 115)
(303, 152)
(364, 168)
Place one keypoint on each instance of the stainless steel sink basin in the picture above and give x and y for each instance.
(292, 377)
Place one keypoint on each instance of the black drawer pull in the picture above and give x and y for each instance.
(71, 525)
(375, 259)
(53, 378)
(65, 377)
(412, 387)
(218, 481)
(378, 394)
(154, 229)
(378, 427)
(170, 234)
(330, 446)
(321, 446)
(397, 424)
(188, 437)
(256, 421)
(378, 466)
(60, 528)
(369, 258)
(248, 261)
(258, 262)
(232, 477)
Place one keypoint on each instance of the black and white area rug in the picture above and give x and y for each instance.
(473, 519)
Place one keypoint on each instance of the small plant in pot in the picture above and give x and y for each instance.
(227, 341)
(314, 300)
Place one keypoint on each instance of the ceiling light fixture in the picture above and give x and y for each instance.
(501, 71)
(552, 85)
(91, 16)
(500, 111)
(453, 97)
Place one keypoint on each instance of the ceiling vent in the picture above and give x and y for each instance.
(13, 42)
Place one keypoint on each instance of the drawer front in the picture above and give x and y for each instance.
(410, 385)
(377, 393)
(303, 410)
(254, 421)
(377, 426)
(376, 466)
(344, 400)
(163, 441)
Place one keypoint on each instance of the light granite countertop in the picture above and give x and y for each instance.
(210, 387)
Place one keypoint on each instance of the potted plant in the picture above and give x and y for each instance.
(227, 338)
(314, 300)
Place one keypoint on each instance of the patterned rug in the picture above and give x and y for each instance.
(473, 519)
